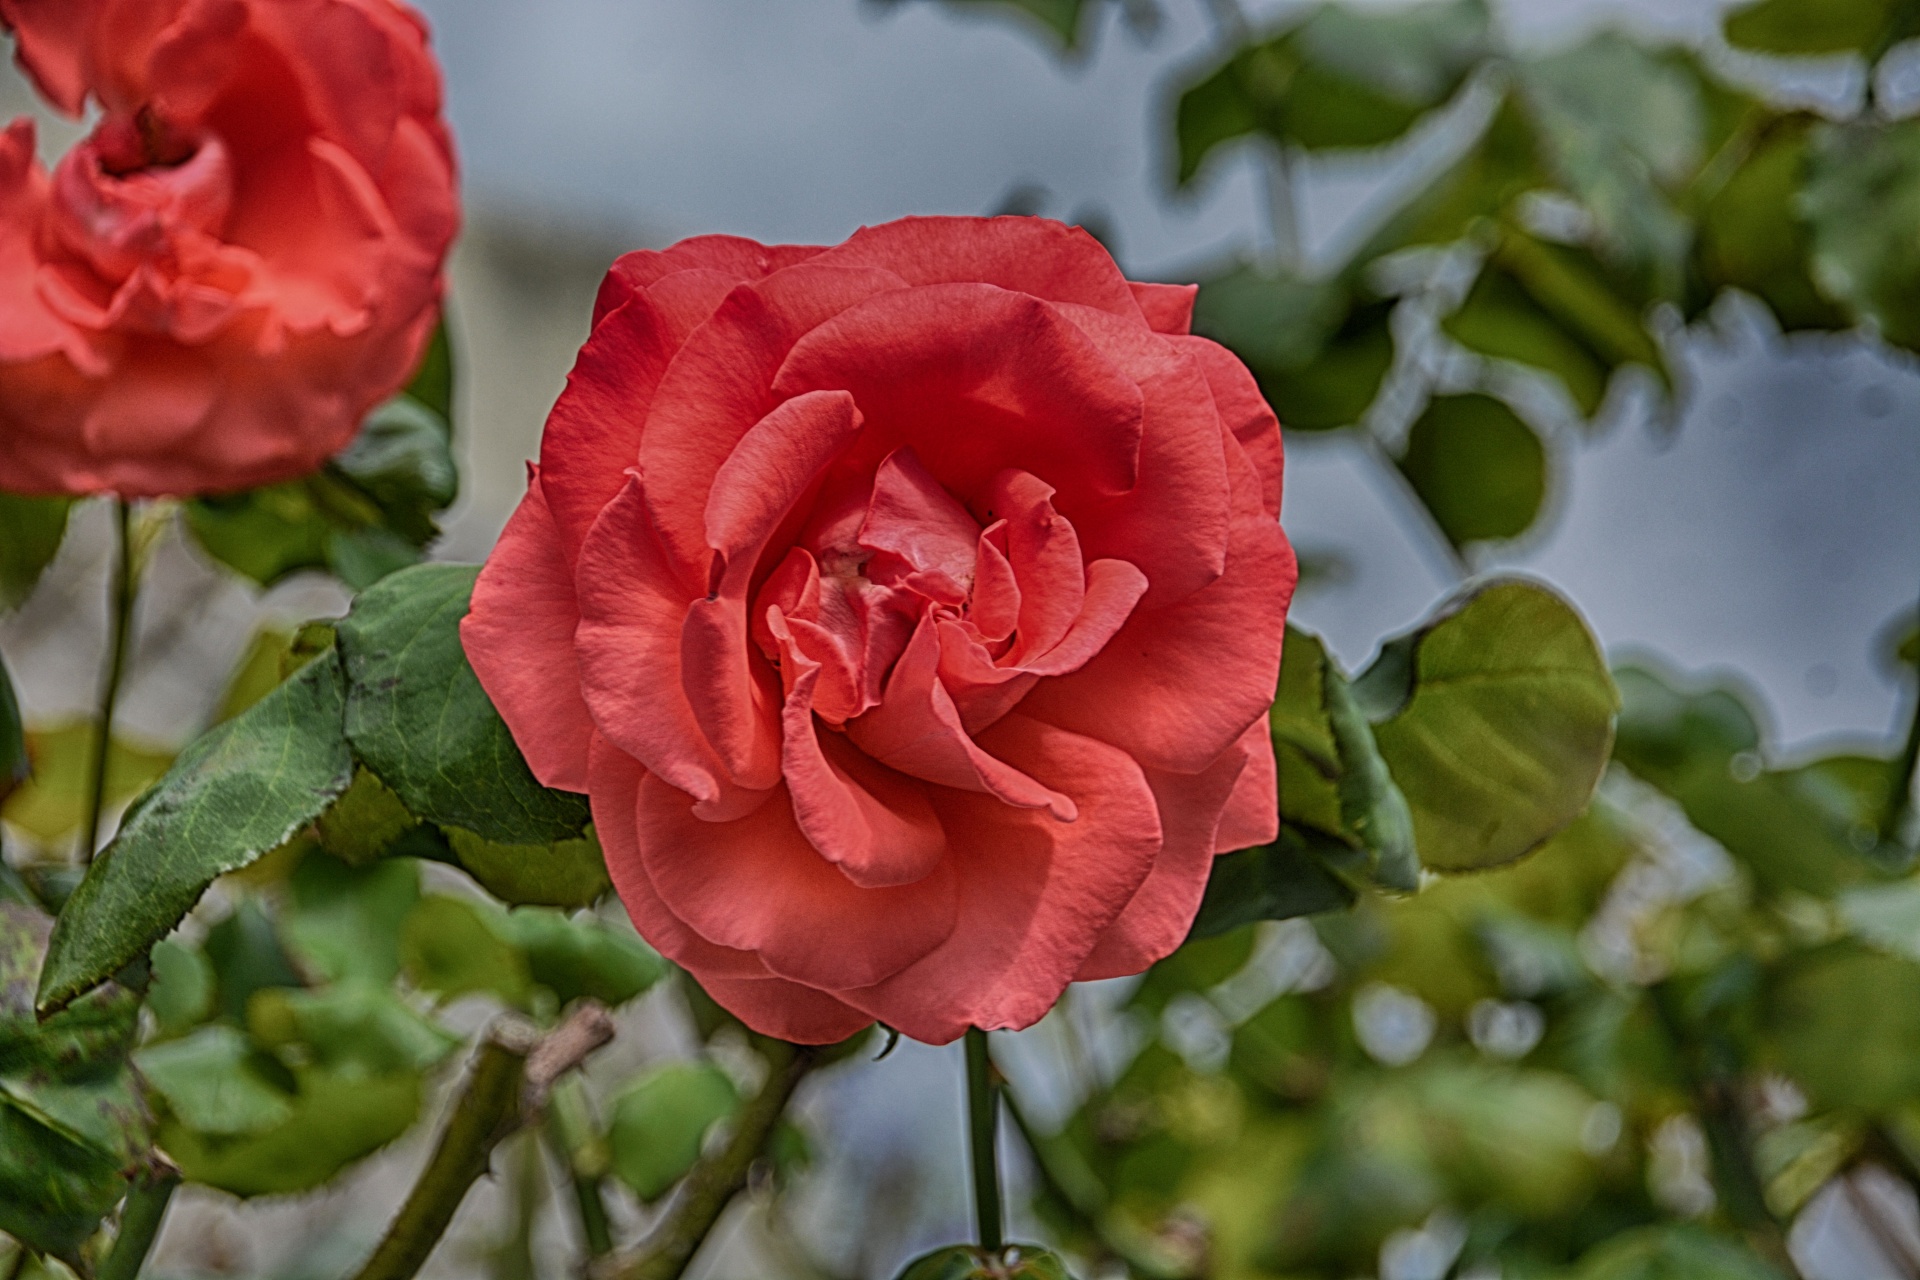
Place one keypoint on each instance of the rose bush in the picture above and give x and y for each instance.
(909, 610)
(211, 290)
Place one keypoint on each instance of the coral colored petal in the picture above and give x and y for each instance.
(1245, 412)
(519, 640)
(1114, 587)
(718, 387)
(1168, 307)
(1157, 918)
(741, 260)
(613, 784)
(1177, 686)
(1044, 552)
(757, 884)
(1034, 893)
(592, 438)
(977, 379)
(1036, 256)
(631, 612)
(911, 517)
(874, 824)
(728, 691)
(788, 1010)
(1252, 815)
(771, 469)
(53, 38)
(917, 730)
(1173, 523)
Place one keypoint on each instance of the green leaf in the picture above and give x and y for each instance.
(1554, 308)
(242, 789)
(966, 1262)
(453, 948)
(1795, 27)
(567, 873)
(1752, 235)
(181, 994)
(213, 1083)
(660, 1121)
(1479, 469)
(403, 460)
(1700, 744)
(1319, 348)
(350, 1028)
(52, 805)
(71, 1122)
(1272, 882)
(1372, 809)
(1624, 128)
(1843, 1020)
(245, 952)
(367, 513)
(1507, 729)
(417, 717)
(337, 1118)
(1342, 79)
(1673, 1252)
(31, 530)
(583, 957)
(1862, 200)
(343, 922)
(14, 765)
(364, 822)
(1503, 163)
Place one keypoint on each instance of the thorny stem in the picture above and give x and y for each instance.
(512, 1074)
(486, 1111)
(119, 621)
(714, 1182)
(983, 1124)
(140, 1220)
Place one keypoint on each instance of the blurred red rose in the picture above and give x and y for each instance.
(910, 610)
(241, 260)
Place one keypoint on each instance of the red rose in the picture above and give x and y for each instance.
(910, 610)
(213, 289)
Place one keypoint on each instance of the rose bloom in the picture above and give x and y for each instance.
(243, 258)
(910, 611)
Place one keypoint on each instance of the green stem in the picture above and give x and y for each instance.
(983, 1125)
(140, 1220)
(711, 1187)
(486, 1111)
(120, 623)
(570, 1138)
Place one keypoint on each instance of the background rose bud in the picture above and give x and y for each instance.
(910, 611)
(211, 290)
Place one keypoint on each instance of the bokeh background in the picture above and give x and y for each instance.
(1765, 525)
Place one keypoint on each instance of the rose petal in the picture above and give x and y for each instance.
(869, 821)
(1178, 686)
(977, 380)
(519, 639)
(1035, 256)
(1252, 815)
(757, 884)
(1034, 894)
(1158, 917)
(1167, 307)
(917, 730)
(613, 783)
